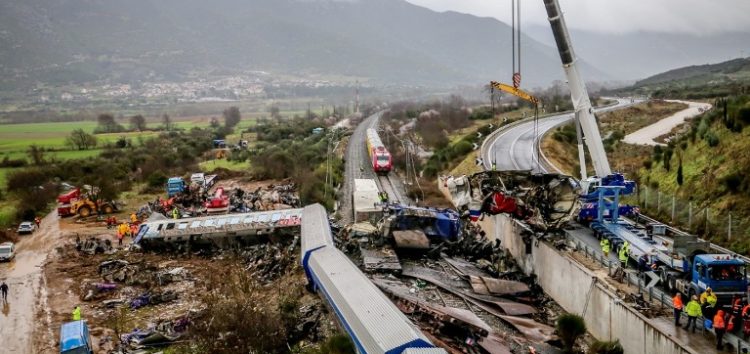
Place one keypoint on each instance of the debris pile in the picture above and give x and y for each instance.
(159, 334)
(192, 202)
(269, 261)
(94, 245)
(545, 202)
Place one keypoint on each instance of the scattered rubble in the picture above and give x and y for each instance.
(546, 202)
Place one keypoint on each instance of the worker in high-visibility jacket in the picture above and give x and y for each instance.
(708, 302)
(605, 246)
(77, 313)
(133, 218)
(623, 256)
(720, 327)
(677, 305)
(693, 309)
(175, 213)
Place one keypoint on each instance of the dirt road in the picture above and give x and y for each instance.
(23, 275)
(646, 135)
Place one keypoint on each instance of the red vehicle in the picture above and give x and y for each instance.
(219, 203)
(380, 158)
(64, 201)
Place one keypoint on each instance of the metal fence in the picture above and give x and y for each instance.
(690, 216)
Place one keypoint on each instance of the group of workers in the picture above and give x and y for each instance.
(125, 228)
(622, 253)
(705, 306)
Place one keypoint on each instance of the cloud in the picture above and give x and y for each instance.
(618, 16)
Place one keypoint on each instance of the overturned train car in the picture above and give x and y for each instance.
(373, 322)
(218, 230)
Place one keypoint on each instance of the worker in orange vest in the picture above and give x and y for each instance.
(720, 328)
(677, 305)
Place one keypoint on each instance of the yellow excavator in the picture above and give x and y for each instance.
(86, 207)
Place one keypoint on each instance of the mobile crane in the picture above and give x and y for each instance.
(683, 262)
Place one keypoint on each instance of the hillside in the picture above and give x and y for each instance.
(712, 154)
(697, 81)
(637, 55)
(387, 41)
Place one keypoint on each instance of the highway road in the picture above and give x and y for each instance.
(515, 147)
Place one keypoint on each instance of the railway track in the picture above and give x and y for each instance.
(386, 184)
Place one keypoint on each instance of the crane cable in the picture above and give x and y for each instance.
(515, 10)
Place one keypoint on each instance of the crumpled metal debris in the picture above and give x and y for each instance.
(153, 298)
(269, 261)
(545, 202)
(162, 333)
(93, 245)
(121, 271)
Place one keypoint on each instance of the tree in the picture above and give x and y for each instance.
(231, 116)
(81, 140)
(36, 153)
(137, 122)
(570, 327)
(166, 122)
(107, 124)
(680, 177)
(214, 122)
(274, 111)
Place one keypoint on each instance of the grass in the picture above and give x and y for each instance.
(625, 158)
(210, 165)
(15, 139)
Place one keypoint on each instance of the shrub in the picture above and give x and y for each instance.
(157, 179)
(462, 148)
(570, 327)
(733, 182)
(711, 139)
(606, 347)
(648, 164)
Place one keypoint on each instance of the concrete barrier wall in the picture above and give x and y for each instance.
(578, 291)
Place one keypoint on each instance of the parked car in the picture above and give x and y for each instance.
(7, 251)
(26, 227)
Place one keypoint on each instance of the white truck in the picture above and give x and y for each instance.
(204, 181)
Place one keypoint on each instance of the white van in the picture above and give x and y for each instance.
(7, 251)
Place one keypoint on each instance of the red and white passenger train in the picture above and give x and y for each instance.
(380, 158)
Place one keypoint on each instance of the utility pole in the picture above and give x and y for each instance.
(356, 97)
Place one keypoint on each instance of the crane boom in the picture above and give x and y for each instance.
(578, 93)
(514, 91)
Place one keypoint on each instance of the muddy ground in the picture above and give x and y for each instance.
(49, 276)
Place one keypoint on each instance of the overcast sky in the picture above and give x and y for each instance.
(618, 16)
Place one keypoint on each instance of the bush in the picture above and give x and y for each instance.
(570, 327)
(157, 179)
(605, 347)
(711, 139)
(462, 148)
(733, 182)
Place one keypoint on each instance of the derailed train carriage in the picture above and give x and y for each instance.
(373, 322)
(218, 230)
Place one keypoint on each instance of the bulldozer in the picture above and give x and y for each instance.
(86, 207)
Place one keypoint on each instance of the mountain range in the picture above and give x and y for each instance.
(383, 41)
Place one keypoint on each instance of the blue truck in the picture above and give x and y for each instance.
(75, 338)
(175, 185)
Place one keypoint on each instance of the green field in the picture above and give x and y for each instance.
(208, 166)
(15, 139)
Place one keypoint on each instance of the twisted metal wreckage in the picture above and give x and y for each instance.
(544, 201)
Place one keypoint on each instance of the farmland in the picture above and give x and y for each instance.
(15, 139)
